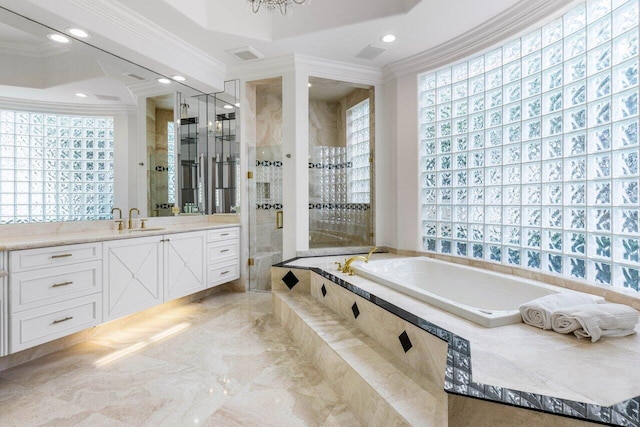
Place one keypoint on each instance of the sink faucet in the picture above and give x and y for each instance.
(347, 264)
(119, 220)
(131, 219)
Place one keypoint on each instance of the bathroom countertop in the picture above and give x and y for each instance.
(69, 238)
(522, 357)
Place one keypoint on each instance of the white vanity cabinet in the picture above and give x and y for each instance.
(184, 262)
(53, 292)
(223, 255)
(145, 271)
(133, 272)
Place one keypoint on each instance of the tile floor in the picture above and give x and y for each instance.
(223, 361)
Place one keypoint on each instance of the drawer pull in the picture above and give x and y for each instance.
(224, 234)
(57, 285)
(225, 272)
(224, 250)
(55, 322)
(61, 256)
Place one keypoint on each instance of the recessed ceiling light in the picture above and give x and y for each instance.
(388, 38)
(228, 106)
(59, 38)
(78, 32)
(164, 80)
(81, 95)
(179, 78)
(237, 104)
(310, 84)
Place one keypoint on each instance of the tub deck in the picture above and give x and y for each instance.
(522, 357)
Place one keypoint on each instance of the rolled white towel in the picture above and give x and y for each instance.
(538, 311)
(596, 320)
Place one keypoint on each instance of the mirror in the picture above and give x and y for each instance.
(341, 141)
(71, 121)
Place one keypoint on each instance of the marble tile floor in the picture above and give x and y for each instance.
(222, 361)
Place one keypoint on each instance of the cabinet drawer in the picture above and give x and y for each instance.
(31, 289)
(30, 259)
(223, 234)
(32, 327)
(222, 251)
(222, 272)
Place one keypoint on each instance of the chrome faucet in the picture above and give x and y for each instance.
(119, 220)
(130, 218)
(346, 268)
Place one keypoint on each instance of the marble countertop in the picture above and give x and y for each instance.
(522, 357)
(69, 238)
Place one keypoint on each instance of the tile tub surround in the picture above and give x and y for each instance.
(233, 365)
(517, 365)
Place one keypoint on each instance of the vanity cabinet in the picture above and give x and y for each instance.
(133, 275)
(54, 292)
(184, 262)
(142, 272)
(223, 256)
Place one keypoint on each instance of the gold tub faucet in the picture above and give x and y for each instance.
(346, 268)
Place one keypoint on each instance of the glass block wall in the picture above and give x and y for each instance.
(358, 153)
(55, 167)
(529, 153)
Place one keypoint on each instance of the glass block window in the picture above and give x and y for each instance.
(529, 153)
(358, 154)
(55, 167)
(171, 163)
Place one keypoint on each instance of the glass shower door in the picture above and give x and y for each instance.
(265, 214)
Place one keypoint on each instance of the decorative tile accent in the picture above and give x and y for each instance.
(356, 311)
(290, 279)
(405, 341)
(323, 289)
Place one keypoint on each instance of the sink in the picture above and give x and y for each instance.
(144, 230)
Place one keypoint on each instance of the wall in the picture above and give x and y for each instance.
(325, 119)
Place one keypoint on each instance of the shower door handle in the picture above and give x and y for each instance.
(279, 219)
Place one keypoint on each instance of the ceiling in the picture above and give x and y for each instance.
(331, 29)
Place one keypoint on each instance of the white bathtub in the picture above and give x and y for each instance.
(483, 297)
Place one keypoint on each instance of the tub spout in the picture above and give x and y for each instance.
(347, 265)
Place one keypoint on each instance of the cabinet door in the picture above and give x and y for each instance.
(184, 260)
(132, 275)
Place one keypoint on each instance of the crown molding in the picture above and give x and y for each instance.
(336, 70)
(156, 41)
(266, 68)
(517, 18)
(317, 67)
(64, 108)
(41, 50)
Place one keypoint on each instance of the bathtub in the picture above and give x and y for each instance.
(487, 298)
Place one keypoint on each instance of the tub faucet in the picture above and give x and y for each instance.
(347, 264)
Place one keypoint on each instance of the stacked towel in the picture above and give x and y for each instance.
(538, 312)
(595, 320)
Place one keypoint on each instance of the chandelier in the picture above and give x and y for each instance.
(283, 6)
